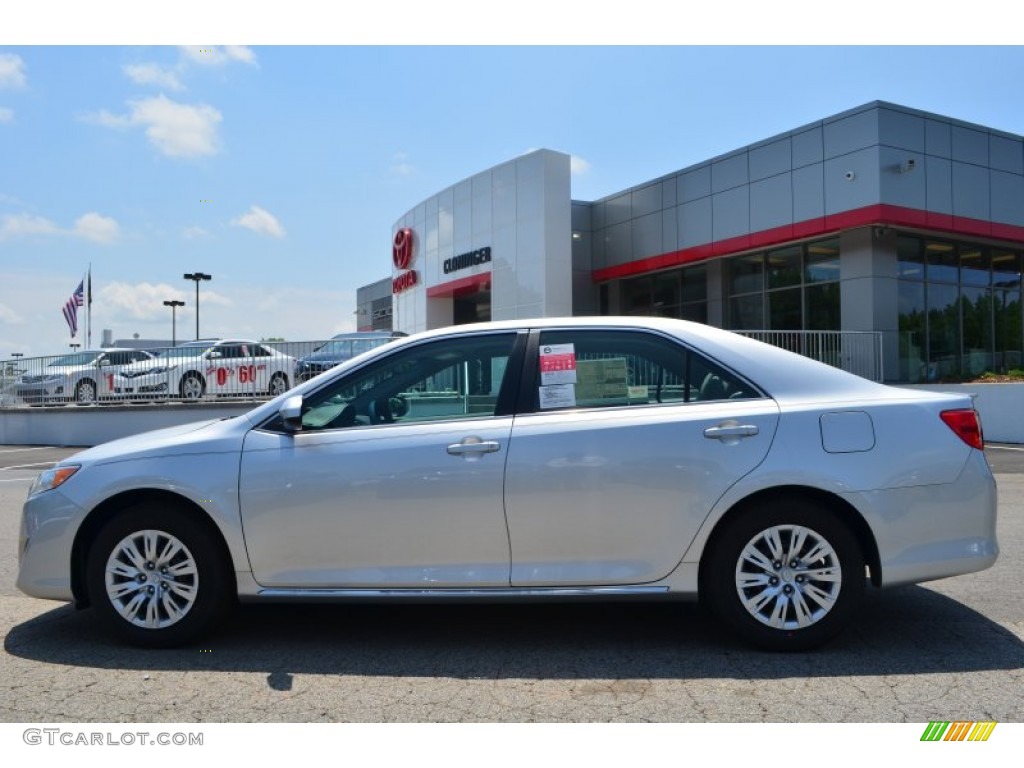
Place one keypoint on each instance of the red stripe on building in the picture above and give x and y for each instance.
(463, 285)
(871, 215)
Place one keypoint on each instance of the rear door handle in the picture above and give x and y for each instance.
(731, 431)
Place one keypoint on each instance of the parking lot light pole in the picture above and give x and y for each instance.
(174, 304)
(198, 277)
(74, 346)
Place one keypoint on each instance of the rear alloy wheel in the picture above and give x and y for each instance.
(85, 392)
(278, 384)
(155, 578)
(787, 575)
(192, 386)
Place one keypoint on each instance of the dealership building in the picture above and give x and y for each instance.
(882, 221)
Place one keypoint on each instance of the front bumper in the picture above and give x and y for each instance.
(49, 522)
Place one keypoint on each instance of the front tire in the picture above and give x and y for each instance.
(156, 577)
(787, 575)
(85, 392)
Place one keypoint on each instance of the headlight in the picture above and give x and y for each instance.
(53, 378)
(158, 369)
(52, 478)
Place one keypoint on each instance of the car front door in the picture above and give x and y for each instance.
(395, 480)
(632, 439)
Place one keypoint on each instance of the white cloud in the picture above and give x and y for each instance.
(216, 56)
(260, 221)
(6, 115)
(153, 74)
(578, 166)
(177, 130)
(98, 229)
(26, 225)
(107, 119)
(90, 226)
(145, 301)
(12, 71)
(194, 233)
(400, 165)
(8, 315)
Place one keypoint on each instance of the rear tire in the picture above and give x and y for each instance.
(157, 578)
(192, 386)
(787, 575)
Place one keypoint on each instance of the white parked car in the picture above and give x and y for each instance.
(546, 460)
(81, 377)
(199, 368)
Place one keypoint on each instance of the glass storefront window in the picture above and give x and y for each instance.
(666, 290)
(943, 331)
(1006, 267)
(678, 293)
(976, 311)
(912, 331)
(974, 265)
(785, 310)
(636, 296)
(943, 264)
(822, 262)
(822, 307)
(784, 267)
(746, 274)
(1009, 339)
(695, 284)
(747, 312)
(909, 259)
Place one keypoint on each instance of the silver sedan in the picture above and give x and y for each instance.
(603, 458)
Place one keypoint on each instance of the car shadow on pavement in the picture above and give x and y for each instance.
(909, 630)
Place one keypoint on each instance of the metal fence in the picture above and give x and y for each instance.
(260, 370)
(858, 352)
(193, 371)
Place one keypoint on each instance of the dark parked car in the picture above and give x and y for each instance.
(340, 348)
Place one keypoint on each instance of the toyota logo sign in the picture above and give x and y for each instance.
(401, 251)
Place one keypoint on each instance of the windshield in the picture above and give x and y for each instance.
(79, 358)
(183, 351)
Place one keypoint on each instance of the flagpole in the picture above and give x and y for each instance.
(88, 310)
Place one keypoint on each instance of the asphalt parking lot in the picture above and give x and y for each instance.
(947, 650)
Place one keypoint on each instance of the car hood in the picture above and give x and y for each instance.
(319, 357)
(159, 362)
(210, 436)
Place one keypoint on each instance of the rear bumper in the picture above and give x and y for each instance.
(935, 531)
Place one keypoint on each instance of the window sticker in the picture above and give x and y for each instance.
(557, 364)
(557, 396)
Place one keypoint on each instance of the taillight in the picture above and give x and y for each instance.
(967, 424)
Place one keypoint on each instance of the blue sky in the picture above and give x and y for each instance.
(280, 169)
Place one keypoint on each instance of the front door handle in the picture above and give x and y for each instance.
(472, 448)
(730, 431)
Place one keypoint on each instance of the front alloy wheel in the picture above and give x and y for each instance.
(157, 577)
(151, 579)
(786, 575)
(85, 392)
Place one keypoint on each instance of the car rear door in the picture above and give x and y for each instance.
(627, 441)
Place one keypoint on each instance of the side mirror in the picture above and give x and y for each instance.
(214, 354)
(291, 414)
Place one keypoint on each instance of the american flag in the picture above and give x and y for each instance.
(71, 308)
